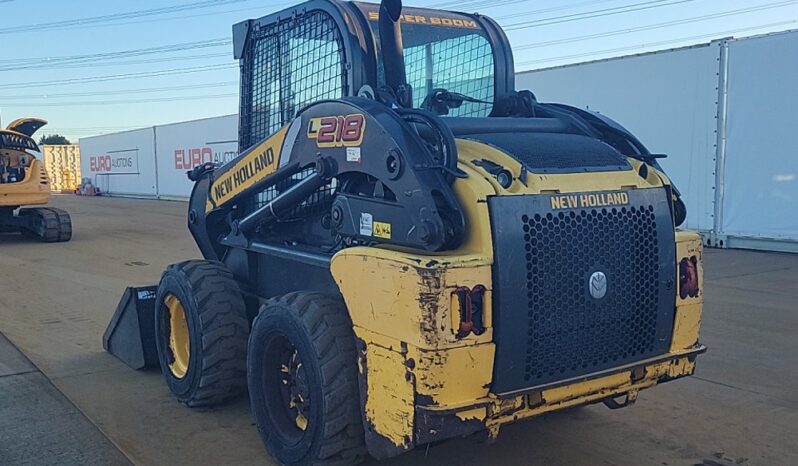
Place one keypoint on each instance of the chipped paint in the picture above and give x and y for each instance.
(476, 414)
(687, 321)
(455, 376)
(388, 402)
(419, 382)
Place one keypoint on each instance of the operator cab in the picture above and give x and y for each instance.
(444, 52)
(455, 65)
(330, 49)
(450, 75)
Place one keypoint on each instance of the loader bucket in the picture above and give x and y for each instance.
(131, 334)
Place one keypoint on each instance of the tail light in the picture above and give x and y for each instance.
(471, 307)
(688, 277)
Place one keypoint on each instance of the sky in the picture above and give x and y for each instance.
(96, 72)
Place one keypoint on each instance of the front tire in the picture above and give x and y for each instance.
(201, 332)
(302, 378)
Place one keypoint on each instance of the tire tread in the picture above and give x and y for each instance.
(224, 328)
(329, 326)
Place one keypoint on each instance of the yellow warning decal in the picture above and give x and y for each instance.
(382, 230)
(254, 165)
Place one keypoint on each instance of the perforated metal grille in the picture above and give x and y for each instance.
(286, 66)
(461, 64)
(569, 331)
(536, 161)
(558, 153)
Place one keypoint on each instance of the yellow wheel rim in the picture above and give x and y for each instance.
(179, 342)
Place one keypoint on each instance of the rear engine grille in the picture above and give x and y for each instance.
(549, 327)
(558, 153)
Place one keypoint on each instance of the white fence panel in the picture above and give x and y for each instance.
(761, 168)
(667, 99)
(121, 163)
(182, 146)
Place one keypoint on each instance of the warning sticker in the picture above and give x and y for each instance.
(382, 230)
(353, 154)
(366, 224)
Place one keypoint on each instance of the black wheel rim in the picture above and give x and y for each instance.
(286, 390)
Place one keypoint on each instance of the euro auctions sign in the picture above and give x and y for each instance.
(115, 162)
(216, 152)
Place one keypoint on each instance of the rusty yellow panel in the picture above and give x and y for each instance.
(686, 327)
(476, 414)
(559, 394)
(688, 244)
(389, 406)
(584, 392)
(408, 297)
(681, 367)
(381, 295)
(687, 322)
(453, 377)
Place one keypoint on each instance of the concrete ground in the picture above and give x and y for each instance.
(56, 299)
(39, 425)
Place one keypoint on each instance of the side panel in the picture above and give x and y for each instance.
(182, 146)
(668, 100)
(761, 182)
(121, 163)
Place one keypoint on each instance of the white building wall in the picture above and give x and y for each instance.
(667, 99)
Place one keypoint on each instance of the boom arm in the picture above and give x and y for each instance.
(383, 182)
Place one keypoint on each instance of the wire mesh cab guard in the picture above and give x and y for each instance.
(327, 49)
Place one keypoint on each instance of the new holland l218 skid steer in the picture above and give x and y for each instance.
(409, 249)
(24, 181)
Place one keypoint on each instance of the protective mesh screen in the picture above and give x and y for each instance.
(569, 332)
(286, 66)
(461, 64)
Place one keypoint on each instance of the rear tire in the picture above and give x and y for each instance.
(47, 224)
(201, 332)
(302, 378)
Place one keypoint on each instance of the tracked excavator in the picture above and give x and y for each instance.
(409, 249)
(24, 182)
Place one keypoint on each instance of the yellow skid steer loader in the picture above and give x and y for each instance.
(409, 249)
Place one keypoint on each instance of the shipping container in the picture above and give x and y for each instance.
(759, 169)
(668, 100)
(723, 113)
(62, 163)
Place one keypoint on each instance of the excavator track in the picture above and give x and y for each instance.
(48, 224)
